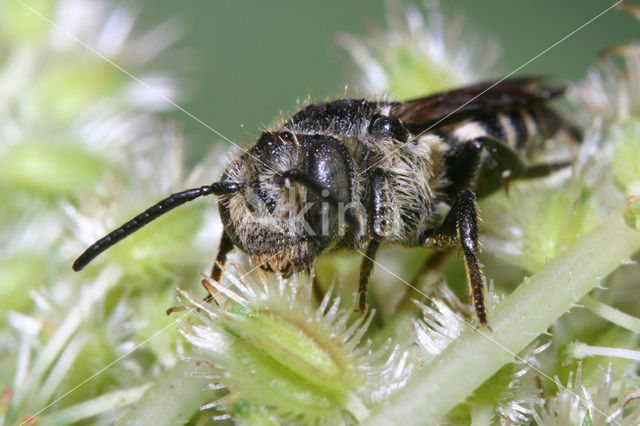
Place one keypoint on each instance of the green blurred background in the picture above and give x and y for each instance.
(244, 62)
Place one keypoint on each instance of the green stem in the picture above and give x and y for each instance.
(522, 316)
(611, 314)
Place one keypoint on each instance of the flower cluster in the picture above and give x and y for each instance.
(82, 149)
(81, 144)
(418, 55)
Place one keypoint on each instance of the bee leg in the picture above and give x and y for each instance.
(512, 166)
(433, 264)
(379, 225)
(380, 220)
(461, 225)
(467, 218)
(509, 166)
(365, 271)
(462, 165)
(543, 169)
(317, 289)
(508, 161)
(226, 245)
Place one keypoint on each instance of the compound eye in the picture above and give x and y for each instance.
(388, 127)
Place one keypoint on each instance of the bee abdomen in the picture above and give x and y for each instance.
(520, 129)
(532, 126)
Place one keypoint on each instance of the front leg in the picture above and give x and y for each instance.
(461, 225)
(379, 225)
(226, 245)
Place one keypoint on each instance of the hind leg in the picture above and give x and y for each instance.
(461, 227)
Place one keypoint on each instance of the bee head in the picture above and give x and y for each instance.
(294, 201)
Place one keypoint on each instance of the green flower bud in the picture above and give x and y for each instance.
(275, 350)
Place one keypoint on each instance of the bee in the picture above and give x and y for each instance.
(355, 174)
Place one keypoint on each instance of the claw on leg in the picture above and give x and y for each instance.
(211, 290)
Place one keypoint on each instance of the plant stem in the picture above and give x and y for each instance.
(522, 316)
(611, 314)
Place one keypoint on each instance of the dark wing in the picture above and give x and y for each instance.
(476, 100)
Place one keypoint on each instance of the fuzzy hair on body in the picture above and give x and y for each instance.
(356, 173)
(408, 155)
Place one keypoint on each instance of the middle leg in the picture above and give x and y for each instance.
(379, 225)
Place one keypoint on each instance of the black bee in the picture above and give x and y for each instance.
(354, 173)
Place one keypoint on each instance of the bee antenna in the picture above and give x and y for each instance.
(152, 213)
